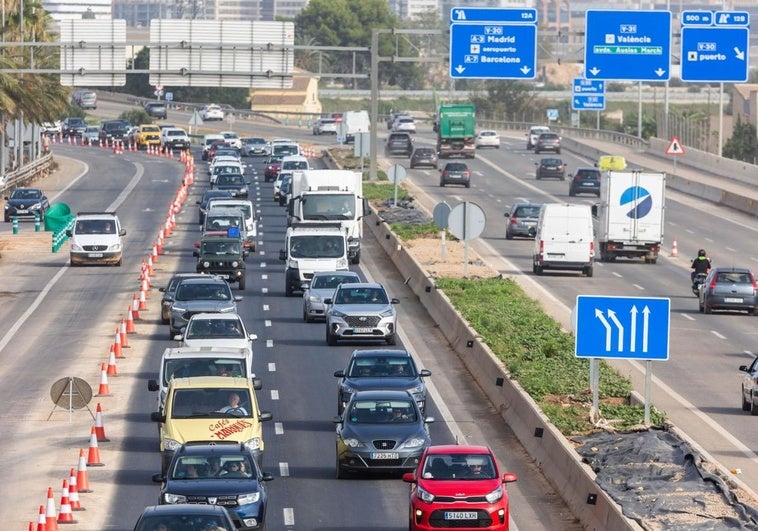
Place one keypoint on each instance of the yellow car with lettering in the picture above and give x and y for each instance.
(210, 409)
(148, 135)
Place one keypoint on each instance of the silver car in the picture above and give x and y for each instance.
(322, 287)
(729, 288)
(750, 387)
(361, 311)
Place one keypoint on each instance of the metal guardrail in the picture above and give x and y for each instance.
(27, 173)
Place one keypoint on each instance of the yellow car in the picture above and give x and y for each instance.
(210, 409)
(148, 135)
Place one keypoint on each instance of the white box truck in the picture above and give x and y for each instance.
(630, 215)
(330, 196)
(353, 122)
(565, 239)
(311, 247)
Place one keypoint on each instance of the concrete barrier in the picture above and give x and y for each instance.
(549, 448)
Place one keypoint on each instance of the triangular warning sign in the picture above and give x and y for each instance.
(675, 147)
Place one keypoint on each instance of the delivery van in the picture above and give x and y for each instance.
(565, 239)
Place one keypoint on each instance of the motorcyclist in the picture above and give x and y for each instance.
(700, 264)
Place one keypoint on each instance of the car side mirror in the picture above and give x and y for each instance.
(159, 478)
(237, 298)
(409, 477)
(152, 385)
(341, 373)
(122, 232)
(337, 420)
(395, 301)
(743, 368)
(157, 416)
(424, 373)
(327, 301)
(252, 337)
(267, 476)
(196, 253)
(257, 383)
(263, 416)
(282, 254)
(428, 420)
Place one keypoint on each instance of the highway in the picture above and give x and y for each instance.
(69, 330)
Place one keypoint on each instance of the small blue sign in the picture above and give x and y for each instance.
(484, 14)
(622, 327)
(628, 45)
(715, 54)
(588, 86)
(731, 18)
(493, 51)
(169, 96)
(588, 102)
(697, 18)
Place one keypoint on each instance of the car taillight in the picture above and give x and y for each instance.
(712, 285)
(467, 173)
(514, 221)
(755, 284)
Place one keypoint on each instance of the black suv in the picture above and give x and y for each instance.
(455, 173)
(156, 109)
(223, 256)
(398, 144)
(217, 473)
(585, 181)
(74, 126)
(111, 130)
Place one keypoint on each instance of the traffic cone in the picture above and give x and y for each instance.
(65, 516)
(142, 300)
(104, 389)
(154, 254)
(41, 520)
(130, 329)
(150, 270)
(117, 345)
(135, 306)
(73, 492)
(159, 243)
(122, 334)
(51, 515)
(93, 456)
(99, 428)
(82, 476)
(674, 250)
(112, 371)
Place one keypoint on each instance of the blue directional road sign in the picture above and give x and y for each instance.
(628, 45)
(588, 94)
(717, 51)
(493, 51)
(500, 15)
(622, 327)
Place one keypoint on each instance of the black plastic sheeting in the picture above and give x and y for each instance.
(661, 482)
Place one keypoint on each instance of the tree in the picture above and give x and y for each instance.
(743, 144)
(505, 100)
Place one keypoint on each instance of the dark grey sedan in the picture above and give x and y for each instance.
(381, 431)
(550, 168)
(26, 203)
(424, 157)
(522, 220)
(381, 369)
(729, 288)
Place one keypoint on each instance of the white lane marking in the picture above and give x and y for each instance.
(267, 323)
(272, 367)
(731, 249)
(266, 307)
(278, 428)
(264, 276)
(687, 316)
(638, 287)
(269, 343)
(615, 274)
(720, 336)
(289, 516)
(264, 290)
(284, 469)
(749, 353)
(263, 264)
(274, 394)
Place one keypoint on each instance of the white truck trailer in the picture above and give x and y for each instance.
(630, 215)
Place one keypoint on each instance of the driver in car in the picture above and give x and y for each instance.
(234, 406)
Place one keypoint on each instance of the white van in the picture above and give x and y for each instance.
(565, 239)
(294, 162)
(96, 239)
(354, 122)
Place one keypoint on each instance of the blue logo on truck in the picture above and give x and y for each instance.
(639, 199)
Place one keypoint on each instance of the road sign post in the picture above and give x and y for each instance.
(466, 222)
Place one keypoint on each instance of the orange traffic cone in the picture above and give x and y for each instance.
(41, 520)
(674, 250)
(155, 253)
(82, 476)
(150, 270)
(117, 344)
(122, 333)
(104, 389)
(93, 456)
(112, 370)
(135, 306)
(142, 301)
(51, 515)
(130, 329)
(99, 428)
(65, 516)
(73, 492)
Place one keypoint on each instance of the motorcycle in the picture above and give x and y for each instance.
(697, 281)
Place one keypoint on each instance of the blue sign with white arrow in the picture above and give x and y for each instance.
(717, 52)
(588, 94)
(628, 45)
(500, 15)
(493, 51)
(622, 327)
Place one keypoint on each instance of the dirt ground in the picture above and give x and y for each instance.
(428, 252)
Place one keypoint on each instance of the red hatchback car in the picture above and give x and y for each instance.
(458, 487)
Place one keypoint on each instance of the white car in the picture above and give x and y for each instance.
(222, 159)
(534, 133)
(225, 168)
(487, 138)
(404, 123)
(232, 139)
(211, 112)
(224, 330)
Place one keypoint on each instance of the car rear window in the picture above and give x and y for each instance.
(548, 136)
(588, 174)
(528, 212)
(456, 166)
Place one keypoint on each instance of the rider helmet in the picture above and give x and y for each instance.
(701, 252)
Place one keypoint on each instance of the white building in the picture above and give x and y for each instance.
(75, 9)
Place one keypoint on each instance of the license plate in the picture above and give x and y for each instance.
(556, 256)
(384, 455)
(460, 515)
(20, 211)
(732, 300)
(225, 277)
(530, 223)
(362, 330)
(94, 255)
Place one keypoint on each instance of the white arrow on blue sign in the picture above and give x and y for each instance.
(628, 45)
(588, 102)
(715, 52)
(493, 51)
(622, 327)
(500, 15)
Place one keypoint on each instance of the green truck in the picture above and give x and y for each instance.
(455, 126)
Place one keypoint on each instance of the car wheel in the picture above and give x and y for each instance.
(172, 333)
(118, 264)
(442, 184)
(331, 339)
(563, 177)
(306, 318)
(468, 185)
(7, 219)
(558, 151)
(745, 403)
(357, 259)
(538, 176)
(287, 290)
(571, 193)
(508, 235)
(242, 283)
(341, 473)
(755, 311)
(753, 408)
(707, 307)
(539, 270)
(391, 340)
(165, 320)
(588, 271)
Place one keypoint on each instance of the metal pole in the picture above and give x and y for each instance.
(374, 100)
(595, 411)
(648, 386)
(721, 118)
(639, 109)
(465, 239)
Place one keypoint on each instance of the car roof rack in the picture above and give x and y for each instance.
(95, 213)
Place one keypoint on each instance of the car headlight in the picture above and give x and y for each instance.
(389, 312)
(352, 442)
(76, 247)
(174, 498)
(244, 499)
(342, 263)
(314, 298)
(235, 263)
(114, 247)
(292, 264)
(171, 445)
(415, 442)
(256, 443)
(425, 495)
(35, 206)
(230, 309)
(337, 313)
(206, 264)
(7, 207)
(495, 495)
(178, 309)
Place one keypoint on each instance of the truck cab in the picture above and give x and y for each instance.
(311, 247)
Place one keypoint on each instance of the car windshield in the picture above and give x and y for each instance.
(230, 179)
(215, 466)
(220, 247)
(211, 402)
(331, 281)
(361, 296)
(208, 292)
(170, 523)
(26, 194)
(209, 328)
(527, 212)
(211, 366)
(458, 466)
(380, 367)
(381, 412)
(95, 226)
(317, 246)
